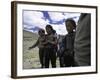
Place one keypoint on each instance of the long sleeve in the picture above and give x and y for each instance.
(37, 42)
(82, 44)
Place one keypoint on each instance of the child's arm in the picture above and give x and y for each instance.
(44, 43)
(37, 42)
(53, 41)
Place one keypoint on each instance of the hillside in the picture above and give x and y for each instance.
(30, 56)
(29, 35)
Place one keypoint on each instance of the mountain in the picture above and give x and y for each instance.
(29, 35)
(32, 29)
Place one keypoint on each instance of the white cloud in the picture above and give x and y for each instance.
(56, 16)
(35, 18)
(72, 15)
(33, 14)
(60, 29)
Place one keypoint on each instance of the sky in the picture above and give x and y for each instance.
(34, 20)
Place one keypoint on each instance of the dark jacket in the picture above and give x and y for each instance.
(68, 43)
(83, 41)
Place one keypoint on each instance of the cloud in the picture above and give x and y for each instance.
(35, 18)
(56, 16)
(74, 16)
(61, 16)
(60, 29)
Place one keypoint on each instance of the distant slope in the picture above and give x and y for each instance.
(29, 35)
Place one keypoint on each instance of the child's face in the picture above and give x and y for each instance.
(48, 30)
(69, 26)
(41, 33)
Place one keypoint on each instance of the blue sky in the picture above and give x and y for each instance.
(34, 20)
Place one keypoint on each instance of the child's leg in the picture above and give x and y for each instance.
(41, 57)
(61, 60)
(47, 58)
(53, 57)
(67, 59)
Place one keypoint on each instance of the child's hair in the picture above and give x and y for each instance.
(53, 31)
(41, 30)
(72, 21)
(49, 26)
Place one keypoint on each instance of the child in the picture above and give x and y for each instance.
(69, 43)
(60, 51)
(50, 53)
(41, 44)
